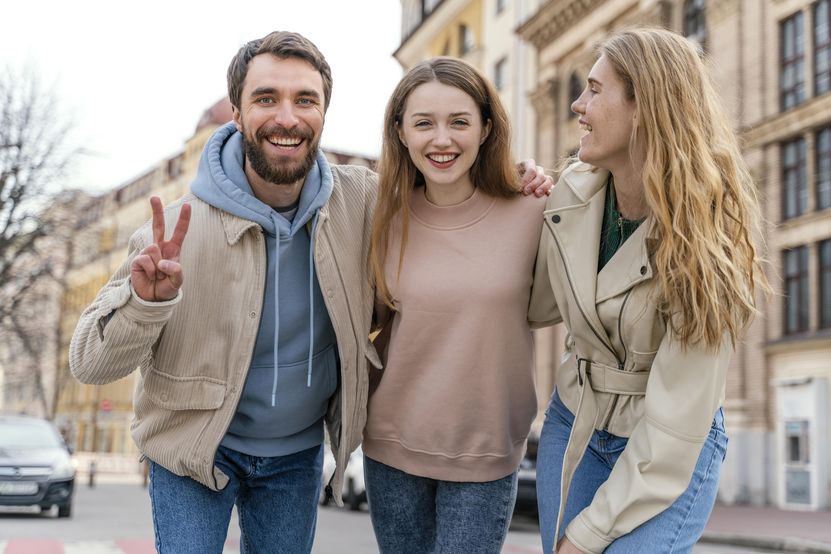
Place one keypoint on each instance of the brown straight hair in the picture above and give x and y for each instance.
(493, 172)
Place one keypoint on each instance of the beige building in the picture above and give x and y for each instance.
(97, 418)
(771, 62)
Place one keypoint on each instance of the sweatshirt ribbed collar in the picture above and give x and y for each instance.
(463, 214)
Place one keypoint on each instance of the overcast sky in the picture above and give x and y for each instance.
(136, 76)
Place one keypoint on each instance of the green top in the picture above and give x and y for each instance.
(615, 230)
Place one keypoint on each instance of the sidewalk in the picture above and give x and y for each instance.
(770, 528)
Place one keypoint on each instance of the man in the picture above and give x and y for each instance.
(240, 366)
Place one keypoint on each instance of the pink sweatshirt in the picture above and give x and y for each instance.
(456, 399)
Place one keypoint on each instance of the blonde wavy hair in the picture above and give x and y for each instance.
(493, 171)
(697, 187)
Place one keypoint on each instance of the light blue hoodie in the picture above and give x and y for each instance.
(294, 369)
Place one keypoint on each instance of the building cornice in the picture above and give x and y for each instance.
(554, 19)
(811, 114)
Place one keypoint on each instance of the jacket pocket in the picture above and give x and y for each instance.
(172, 392)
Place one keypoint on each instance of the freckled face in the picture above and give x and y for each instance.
(281, 117)
(607, 116)
(442, 129)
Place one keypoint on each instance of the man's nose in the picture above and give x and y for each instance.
(284, 114)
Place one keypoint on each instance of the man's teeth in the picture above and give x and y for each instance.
(586, 127)
(285, 141)
(442, 158)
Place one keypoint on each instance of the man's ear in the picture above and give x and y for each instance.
(486, 130)
(237, 118)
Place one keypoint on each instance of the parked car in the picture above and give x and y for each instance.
(36, 467)
(354, 489)
(526, 497)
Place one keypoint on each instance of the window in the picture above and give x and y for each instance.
(825, 284)
(792, 75)
(500, 74)
(695, 25)
(795, 264)
(466, 43)
(575, 89)
(794, 179)
(822, 47)
(823, 176)
(500, 5)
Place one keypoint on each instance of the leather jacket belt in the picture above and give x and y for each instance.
(593, 377)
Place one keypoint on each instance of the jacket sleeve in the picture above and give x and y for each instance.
(542, 308)
(684, 391)
(117, 331)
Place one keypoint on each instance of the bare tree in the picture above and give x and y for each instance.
(35, 157)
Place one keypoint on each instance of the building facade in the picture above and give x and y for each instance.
(771, 60)
(97, 418)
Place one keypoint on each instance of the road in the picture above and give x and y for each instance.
(115, 519)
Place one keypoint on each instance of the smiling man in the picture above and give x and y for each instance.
(240, 371)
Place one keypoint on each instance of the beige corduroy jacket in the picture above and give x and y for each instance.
(622, 370)
(193, 352)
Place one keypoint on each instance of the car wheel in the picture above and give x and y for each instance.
(65, 510)
(352, 498)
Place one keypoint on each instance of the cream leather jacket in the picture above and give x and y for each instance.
(193, 352)
(622, 370)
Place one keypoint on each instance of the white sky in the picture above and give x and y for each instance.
(136, 76)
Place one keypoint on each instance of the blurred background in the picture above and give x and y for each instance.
(103, 104)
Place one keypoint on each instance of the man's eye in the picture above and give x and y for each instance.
(265, 101)
(305, 101)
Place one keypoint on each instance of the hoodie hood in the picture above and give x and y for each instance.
(221, 182)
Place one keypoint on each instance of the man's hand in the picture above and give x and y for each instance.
(566, 547)
(534, 179)
(155, 273)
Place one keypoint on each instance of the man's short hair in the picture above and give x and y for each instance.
(283, 44)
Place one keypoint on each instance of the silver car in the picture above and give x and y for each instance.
(36, 467)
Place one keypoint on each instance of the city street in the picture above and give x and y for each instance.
(115, 519)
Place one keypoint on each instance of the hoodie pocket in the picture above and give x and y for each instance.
(298, 404)
(172, 392)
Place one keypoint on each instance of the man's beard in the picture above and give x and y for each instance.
(279, 171)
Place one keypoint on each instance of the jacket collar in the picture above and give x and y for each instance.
(236, 226)
(579, 206)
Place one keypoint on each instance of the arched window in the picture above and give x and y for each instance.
(695, 23)
(575, 88)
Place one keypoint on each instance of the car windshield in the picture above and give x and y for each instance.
(28, 435)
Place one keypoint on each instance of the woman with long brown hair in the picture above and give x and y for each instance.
(453, 249)
(647, 255)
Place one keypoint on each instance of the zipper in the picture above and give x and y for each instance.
(577, 299)
(608, 418)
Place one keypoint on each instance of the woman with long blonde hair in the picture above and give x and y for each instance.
(453, 250)
(647, 255)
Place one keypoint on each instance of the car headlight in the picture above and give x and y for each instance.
(63, 470)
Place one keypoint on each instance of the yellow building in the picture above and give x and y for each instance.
(97, 418)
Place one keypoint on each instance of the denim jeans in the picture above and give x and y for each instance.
(676, 529)
(276, 498)
(417, 515)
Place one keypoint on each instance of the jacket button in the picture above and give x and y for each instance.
(163, 397)
(555, 218)
(252, 315)
(643, 270)
(330, 293)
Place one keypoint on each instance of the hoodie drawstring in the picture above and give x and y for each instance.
(311, 301)
(274, 217)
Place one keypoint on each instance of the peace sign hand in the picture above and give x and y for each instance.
(156, 274)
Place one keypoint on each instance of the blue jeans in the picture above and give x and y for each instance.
(676, 529)
(276, 498)
(417, 515)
